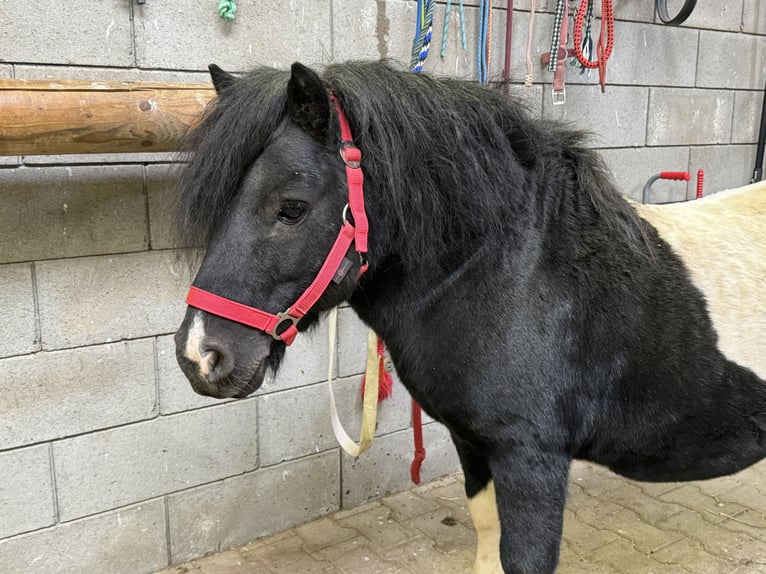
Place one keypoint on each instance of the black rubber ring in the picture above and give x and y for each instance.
(680, 18)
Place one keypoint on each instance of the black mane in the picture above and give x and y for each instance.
(434, 150)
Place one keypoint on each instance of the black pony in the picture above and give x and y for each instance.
(527, 306)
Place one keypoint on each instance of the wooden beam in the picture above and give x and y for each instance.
(60, 117)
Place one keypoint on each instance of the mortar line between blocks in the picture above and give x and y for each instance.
(145, 189)
(132, 17)
(38, 342)
(167, 529)
(54, 487)
(155, 356)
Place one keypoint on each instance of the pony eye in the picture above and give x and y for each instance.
(291, 212)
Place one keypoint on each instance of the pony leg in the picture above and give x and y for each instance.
(483, 509)
(481, 504)
(531, 489)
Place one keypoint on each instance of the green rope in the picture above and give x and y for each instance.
(227, 9)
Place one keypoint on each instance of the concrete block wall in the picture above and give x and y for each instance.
(108, 461)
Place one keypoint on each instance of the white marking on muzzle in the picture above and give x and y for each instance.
(194, 338)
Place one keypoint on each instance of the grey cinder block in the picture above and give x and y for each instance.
(307, 429)
(385, 467)
(119, 296)
(687, 116)
(716, 68)
(17, 310)
(242, 508)
(188, 35)
(747, 116)
(161, 182)
(112, 468)
(126, 541)
(726, 167)
(632, 167)
(88, 33)
(26, 491)
(71, 211)
(53, 395)
(617, 118)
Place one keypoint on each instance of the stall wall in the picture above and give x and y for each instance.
(108, 461)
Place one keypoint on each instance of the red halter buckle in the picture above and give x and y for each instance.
(356, 233)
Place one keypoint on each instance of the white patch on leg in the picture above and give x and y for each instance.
(483, 509)
(722, 241)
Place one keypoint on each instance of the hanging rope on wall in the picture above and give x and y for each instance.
(445, 27)
(423, 33)
(227, 9)
(485, 40)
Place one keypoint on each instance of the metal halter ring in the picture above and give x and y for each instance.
(283, 316)
(344, 147)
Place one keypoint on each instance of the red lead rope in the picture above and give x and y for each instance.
(605, 39)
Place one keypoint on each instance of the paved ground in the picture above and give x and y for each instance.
(612, 526)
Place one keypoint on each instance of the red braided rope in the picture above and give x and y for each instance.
(605, 39)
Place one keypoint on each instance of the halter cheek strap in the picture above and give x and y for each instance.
(283, 326)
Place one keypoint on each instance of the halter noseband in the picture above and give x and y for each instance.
(283, 326)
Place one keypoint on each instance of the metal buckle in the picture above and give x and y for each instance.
(559, 97)
(283, 316)
(346, 146)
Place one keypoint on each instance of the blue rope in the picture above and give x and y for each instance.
(482, 45)
(462, 25)
(423, 34)
(445, 28)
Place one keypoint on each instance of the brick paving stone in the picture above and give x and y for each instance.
(713, 507)
(582, 538)
(323, 533)
(649, 508)
(714, 539)
(365, 561)
(408, 505)
(342, 548)
(440, 525)
(693, 557)
(626, 559)
(377, 526)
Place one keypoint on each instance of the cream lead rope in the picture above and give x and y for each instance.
(370, 402)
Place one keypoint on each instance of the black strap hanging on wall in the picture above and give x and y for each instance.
(758, 171)
(678, 19)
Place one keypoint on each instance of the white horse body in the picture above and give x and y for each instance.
(722, 241)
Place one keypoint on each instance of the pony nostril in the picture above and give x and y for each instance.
(208, 362)
(216, 364)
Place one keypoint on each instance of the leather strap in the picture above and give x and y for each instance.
(370, 403)
(559, 93)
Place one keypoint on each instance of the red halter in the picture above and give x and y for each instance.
(282, 326)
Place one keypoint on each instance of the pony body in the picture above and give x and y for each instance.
(526, 305)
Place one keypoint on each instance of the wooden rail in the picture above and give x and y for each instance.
(61, 117)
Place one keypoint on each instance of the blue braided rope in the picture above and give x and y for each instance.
(462, 25)
(422, 42)
(445, 28)
(482, 44)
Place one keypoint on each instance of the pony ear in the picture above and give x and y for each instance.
(308, 104)
(221, 79)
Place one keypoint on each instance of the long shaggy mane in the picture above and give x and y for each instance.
(445, 161)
